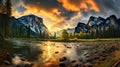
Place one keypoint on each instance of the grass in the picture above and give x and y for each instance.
(110, 60)
(5, 47)
(70, 40)
(117, 53)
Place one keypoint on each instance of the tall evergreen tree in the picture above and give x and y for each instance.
(0, 4)
(8, 12)
(28, 31)
(8, 7)
(55, 35)
(40, 35)
(1, 7)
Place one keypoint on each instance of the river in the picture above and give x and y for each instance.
(55, 54)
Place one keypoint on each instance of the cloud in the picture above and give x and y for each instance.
(61, 14)
(109, 7)
(77, 5)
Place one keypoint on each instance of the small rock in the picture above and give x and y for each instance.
(102, 58)
(80, 59)
(73, 61)
(56, 52)
(88, 64)
(63, 59)
(7, 62)
(62, 65)
(88, 59)
(77, 65)
(64, 51)
(69, 47)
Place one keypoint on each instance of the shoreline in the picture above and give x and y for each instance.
(71, 40)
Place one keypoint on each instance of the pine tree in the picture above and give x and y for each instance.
(0, 4)
(54, 35)
(40, 35)
(1, 7)
(97, 35)
(20, 31)
(28, 31)
(92, 34)
(8, 7)
(8, 12)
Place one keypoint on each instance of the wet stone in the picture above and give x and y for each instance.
(63, 59)
(64, 51)
(56, 52)
(62, 65)
(80, 59)
(88, 64)
(69, 47)
(77, 65)
(73, 61)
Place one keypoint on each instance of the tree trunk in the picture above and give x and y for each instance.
(1, 37)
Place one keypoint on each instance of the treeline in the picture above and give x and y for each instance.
(109, 32)
(20, 31)
(5, 14)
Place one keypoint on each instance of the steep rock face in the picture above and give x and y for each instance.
(81, 27)
(17, 29)
(113, 21)
(98, 23)
(32, 22)
(35, 23)
(95, 21)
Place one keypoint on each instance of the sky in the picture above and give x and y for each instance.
(63, 14)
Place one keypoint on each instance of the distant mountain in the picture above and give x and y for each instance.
(70, 30)
(98, 22)
(95, 21)
(81, 27)
(33, 22)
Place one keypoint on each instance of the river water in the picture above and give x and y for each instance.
(55, 54)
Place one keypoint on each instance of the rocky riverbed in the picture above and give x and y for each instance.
(60, 54)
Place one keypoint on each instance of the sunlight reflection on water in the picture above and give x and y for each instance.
(50, 54)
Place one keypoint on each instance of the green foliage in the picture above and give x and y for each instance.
(8, 7)
(64, 35)
(5, 13)
(109, 32)
(5, 48)
(54, 36)
(28, 32)
(4, 25)
(43, 35)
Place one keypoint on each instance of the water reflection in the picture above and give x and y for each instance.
(60, 54)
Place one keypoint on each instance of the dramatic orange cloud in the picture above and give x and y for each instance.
(76, 5)
(54, 15)
(50, 17)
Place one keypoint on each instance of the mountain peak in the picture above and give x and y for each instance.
(80, 23)
(31, 15)
(81, 27)
(98, 22)
(34, 22)
(113, 16)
